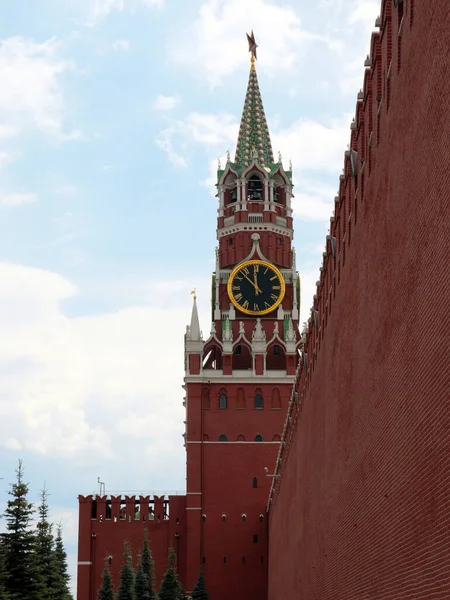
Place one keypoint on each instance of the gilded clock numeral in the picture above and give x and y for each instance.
(274, 277)
(256, 307)
(266, 304)
(239, 278)
(274, 297)
(245, 270)
(255, 268)
(245, 305)
(276, 287)
(238, 297)
(267, 268)
(236, 287)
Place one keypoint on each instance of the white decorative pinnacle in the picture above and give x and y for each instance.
(194, 334)
(290, 333)
(227, 332)
(259, 335)
(241, 328)
(213, 329)
(275, 329)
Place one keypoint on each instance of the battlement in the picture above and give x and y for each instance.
(391, 47)
(127, 508)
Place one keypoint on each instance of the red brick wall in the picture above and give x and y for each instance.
(100, 537)
(362, 508)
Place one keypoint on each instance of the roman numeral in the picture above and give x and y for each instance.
(267, 305)
(236, 287)
(255, 307)
(256, 268)
(238, 297)
(245, 305)
(276, 287)
(239, 278)
(274, 297)
(274, 277)
(245, 270)
(267, 268)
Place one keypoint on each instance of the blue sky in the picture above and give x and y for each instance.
(112, 116)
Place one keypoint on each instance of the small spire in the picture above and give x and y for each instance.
(194, 329)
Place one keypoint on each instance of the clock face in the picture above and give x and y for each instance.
(256, 287)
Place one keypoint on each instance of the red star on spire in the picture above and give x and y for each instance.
(252, 45)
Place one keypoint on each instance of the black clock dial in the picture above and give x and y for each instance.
(256, 287)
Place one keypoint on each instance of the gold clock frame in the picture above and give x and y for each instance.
(264, 263)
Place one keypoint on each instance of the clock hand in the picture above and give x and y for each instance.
(256, 282)
(253, 284)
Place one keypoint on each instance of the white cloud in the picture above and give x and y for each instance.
(78, 386)
(102, 8)
(16, 198)
(7, 131)
(32, 95)
(314, 146)
(213, 131)
(215, 47)
(166, 102)
(121, 45)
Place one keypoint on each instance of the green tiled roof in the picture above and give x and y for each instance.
(253, 132)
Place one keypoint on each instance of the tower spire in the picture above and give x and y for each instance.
(194, 329)
(253, 132)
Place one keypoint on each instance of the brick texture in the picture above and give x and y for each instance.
(362, 507)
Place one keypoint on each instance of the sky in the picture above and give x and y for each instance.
(113, 114)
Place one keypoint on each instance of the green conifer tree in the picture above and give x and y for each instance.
(148, 566)
(61, 575)
(170, 586)
(3, 594)
(126, 586)
(141, 587)
(23, 580)
(200, 592)
(44, 549)
(106, 591)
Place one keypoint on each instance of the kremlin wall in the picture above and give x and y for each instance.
(360, 505)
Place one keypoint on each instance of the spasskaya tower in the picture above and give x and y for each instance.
(238, 380)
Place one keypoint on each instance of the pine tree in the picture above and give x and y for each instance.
(61, 576)
(3, 594)
(126, 586)
(141, 587)
(106, 591)
(200, 592)
(148, 567)
(23, 580)
(44, 544)
(170, 586)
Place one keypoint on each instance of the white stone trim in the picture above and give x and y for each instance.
(250, 377)
(193, 493)
(193, 508)
(84, 563)
(255, 227)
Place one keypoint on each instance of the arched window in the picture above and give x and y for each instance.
(240, 399)
(276, 438)
(255, 189)
(276, 400)
(223, 401)
(258, 438)
(255, 482)
(223, 438)
(259, 402)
